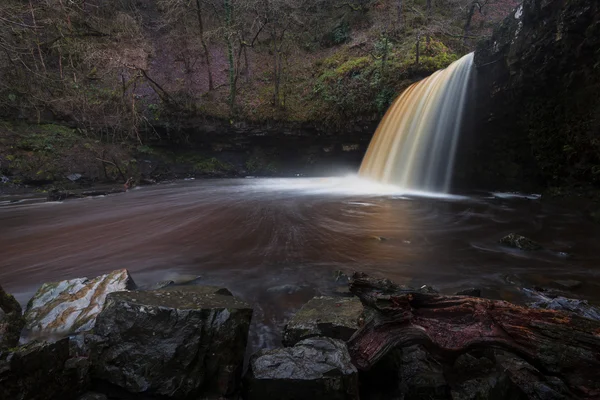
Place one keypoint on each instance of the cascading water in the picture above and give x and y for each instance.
(415, 143)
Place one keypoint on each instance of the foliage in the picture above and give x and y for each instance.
(99, 65)
(261, 163)
(204, 165)
(366, 85)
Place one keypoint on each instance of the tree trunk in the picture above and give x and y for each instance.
(230, 56)
(275, 69)
(204, 46)
(470, 14)
(418, 49)
(429, 12)
(399, 15)
(555, 343)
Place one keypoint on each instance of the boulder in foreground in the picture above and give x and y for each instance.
(72, 306)
(43, 371)
(334, 317)
(316, 369)
(175, 342)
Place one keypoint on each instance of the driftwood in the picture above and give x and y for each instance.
(557, 344)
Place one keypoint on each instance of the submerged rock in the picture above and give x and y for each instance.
(157, 285)
(575, 306)
(315, 368)
(11, 320)
(332, 317)
(285, 289)
(175, 342)
(72, 306)
(569, 284)
(472, 292)
(520, 242)
(43, 371)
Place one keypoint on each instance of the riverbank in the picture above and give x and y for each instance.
(43, 158)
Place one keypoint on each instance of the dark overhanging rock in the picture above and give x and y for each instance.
(11, 321)
(174, 342)
(316, 368)
(534, 116)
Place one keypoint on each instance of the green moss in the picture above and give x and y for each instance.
(260, 163)
(204, 165)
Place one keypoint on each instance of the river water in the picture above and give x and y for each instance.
(278, 242)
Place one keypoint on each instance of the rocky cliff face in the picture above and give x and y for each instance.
(536, 121)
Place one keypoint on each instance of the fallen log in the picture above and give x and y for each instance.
(558, 344)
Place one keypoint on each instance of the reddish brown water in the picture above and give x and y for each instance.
(276, 242)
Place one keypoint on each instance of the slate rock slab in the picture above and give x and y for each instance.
(185, 342)
(72, 305)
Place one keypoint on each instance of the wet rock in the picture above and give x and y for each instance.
(93, 193)
(74, 177)
(11, 321)
(92, 396)
(284, 289)
(575, 306)
(174, 342)
(472, 292)
(157, 285)
(315, 368)
(200, 290)
(523, 381)
(520, 242)
(332, 317)
(72, 306)
(568, 284)
(341, 276)
(60, 195)
(41, 371)
(147, 182)
(428, 289)
(421, 375)
(343, 291)
(379, 238)
(476, 377)
(184, 279)
(405, 373)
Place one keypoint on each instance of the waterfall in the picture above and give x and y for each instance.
(415, 143)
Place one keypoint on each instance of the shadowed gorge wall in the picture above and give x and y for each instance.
(536, 118)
